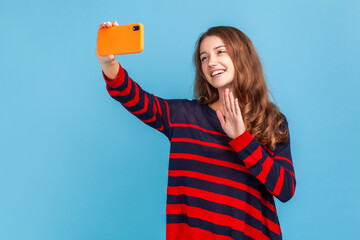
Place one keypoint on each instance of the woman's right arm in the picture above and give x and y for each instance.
(153, 111)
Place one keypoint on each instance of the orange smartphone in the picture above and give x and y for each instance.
(122, 39)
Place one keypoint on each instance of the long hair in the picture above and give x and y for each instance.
(262, 118)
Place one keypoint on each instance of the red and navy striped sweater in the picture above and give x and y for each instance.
(218, 187)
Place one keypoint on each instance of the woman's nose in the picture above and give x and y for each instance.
(212, 61)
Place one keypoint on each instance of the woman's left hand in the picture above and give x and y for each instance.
(233, 124)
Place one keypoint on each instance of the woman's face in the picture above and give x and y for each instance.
(216, 64)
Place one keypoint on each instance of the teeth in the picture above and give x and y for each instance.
(217, 72)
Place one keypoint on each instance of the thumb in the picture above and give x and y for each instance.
(221, 118)
(107, 59)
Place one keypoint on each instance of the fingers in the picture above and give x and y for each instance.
(237, 108)
(226, 101)
(231, 99)
(230, 104)
(108, 24)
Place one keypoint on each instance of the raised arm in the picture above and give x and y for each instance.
(150, 109)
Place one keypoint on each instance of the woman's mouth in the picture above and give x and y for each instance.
(217, 73)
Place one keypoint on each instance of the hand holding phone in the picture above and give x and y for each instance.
(114, 39)
(108, 58)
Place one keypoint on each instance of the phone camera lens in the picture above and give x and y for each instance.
(136, 28)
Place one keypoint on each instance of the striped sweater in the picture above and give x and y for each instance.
(218, 187)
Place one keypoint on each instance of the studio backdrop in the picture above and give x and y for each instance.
(74, 164)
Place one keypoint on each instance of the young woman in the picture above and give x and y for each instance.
(230, 146)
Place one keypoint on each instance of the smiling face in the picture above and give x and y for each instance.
(216, 64)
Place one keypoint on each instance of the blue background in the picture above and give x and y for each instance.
(75, 165)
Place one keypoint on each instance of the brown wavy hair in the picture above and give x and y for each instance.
(262, 118)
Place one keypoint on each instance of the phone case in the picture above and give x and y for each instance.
(123, 39)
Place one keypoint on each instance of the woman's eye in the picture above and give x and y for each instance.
(222, 51)
(203, 58)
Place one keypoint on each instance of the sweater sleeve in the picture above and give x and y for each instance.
(153, 111)
(274, 169)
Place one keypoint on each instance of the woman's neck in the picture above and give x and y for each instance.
(217, 106)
